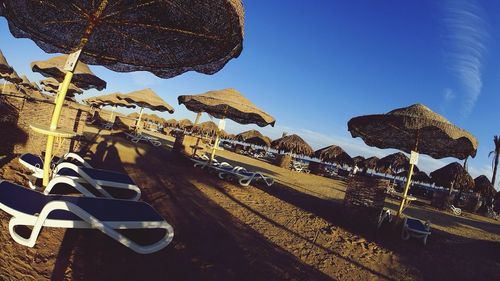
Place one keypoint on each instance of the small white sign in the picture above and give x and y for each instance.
(222, 124)
(72, 60)
(413, 157)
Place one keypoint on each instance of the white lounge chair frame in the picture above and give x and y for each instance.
(85, 178)
(245, 180)
(135, 138)
(407, 232)
(88, 221)
(456, 211)
(38, 171)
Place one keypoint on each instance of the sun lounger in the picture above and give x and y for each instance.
(35, 162)
(31, 208)
(97, 178)
(136, 137)
(415, 228)
(244, 176)
(456, 211)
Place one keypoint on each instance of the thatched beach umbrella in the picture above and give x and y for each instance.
(226, 103)
(452, 176)
(184, 123)
(293, 144)
(13, 77)
(334, 154)
(146, 98)
(483, 186)
(170, 123)
(83, 77)
(51, 85)
(395, 162)
(421, 176)
(358, 160)
(5, 68)
(370, 163)
(207, 128)
(254, 137)
(113, 101)
(166, 38)
(414, 129)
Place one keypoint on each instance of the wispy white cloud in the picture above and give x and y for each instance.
(466, 39)
(448, 97)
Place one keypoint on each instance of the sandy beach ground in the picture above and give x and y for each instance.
(293, 230)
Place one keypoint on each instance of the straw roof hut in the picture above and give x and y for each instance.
(453, 175)
(395, 161)
(293, 144)
(184, 123)
(483, 186)
(254, 137)
(334, 154)
(227, 103)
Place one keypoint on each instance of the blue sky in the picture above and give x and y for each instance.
(313, 65)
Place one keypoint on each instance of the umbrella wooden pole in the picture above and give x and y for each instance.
(139, 119)
(407, 186)
(112, 113)
(53, 126)
(197, 118)
(216, 143)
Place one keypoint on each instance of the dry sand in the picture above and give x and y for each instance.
(293, 230)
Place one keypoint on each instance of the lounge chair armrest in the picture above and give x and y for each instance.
(77, 158)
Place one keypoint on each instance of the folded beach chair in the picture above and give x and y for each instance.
(35, 162)
(456, 211)
(33, 209)
(100, 180)
(415, 228)
(244, 176)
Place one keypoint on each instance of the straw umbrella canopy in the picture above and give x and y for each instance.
(5, 68)
(371, 162)
(395, 161)
(146, 98)
(451, 176)
(422, 176)
(83, 77)
(334, 154)
(51, 85)
(170, 122)
(184, 123)
(166, 38)
(415, 128)
(254, 137)
(227, 103)
(208, 128)
(13, 77)
(113, 101)
(293, 144)
(358, 160)
(483, 186)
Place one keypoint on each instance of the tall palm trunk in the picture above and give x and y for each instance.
(496, 154)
